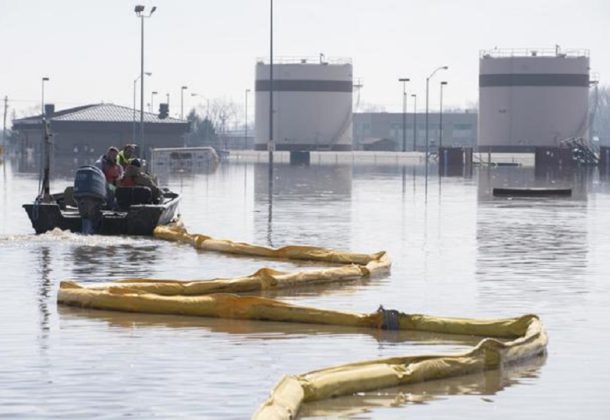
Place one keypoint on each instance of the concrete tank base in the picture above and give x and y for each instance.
(555, 158)
(455, 161)
(300, 158)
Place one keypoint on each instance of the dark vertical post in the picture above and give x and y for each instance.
(270, 145)
(404, 113)
(142, 86)
(440, 124)
(414, 122)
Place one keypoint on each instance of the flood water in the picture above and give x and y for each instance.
(456, 251)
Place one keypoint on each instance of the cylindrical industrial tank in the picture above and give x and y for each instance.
(532, 98)
(312, 103)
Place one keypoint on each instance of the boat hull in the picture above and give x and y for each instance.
(137, 220)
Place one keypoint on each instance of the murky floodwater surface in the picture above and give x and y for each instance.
(456, 251)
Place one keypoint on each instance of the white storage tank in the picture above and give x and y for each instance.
(312, 103)
(530, 98)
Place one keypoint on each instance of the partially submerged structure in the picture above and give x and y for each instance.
(532, 98)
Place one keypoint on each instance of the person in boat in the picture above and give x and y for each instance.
(126, 155)
(136, 176)
(108, 164)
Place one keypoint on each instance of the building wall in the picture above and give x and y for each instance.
(93, 139)
(459, 129)
(312, 106)
(528, 101)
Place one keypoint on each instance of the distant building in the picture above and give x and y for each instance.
(89, 130)
(383, 130)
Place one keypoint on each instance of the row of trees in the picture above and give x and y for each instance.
(210, 123)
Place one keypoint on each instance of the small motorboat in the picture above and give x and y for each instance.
(84, 207)
(532, 192)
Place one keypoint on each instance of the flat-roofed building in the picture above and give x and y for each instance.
(383, 130)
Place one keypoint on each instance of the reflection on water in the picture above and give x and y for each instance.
(537, 243)
(290, 198)
(263, 330)
(45, 290)
(485, 384)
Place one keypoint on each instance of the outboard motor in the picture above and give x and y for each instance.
(90, 196)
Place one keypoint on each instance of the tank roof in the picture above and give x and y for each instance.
(533, 52)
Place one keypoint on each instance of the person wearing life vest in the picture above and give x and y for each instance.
(136, 176)
(108, 164)
(126, 155)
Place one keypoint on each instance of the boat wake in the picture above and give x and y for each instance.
(67, 237)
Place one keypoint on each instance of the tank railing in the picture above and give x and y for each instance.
(304, 60)
(533, 52)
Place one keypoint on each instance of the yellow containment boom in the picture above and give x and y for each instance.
(175, 232)
(526, 334)
(504, 341)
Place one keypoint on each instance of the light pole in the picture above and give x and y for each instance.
(270, 144)
(246, 121)
(427, 97)
(182, 89)
(414, 96)
(139, 9)
(404, 113)
(135, 82)
(152, 100)
(44, 79)
(440, 121)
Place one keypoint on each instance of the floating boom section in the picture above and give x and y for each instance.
(177, 233)
(507, 340)
(293, 390)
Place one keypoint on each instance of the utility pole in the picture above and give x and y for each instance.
(4, 125)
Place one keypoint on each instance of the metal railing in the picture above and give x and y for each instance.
(533, 52)
(304, 60)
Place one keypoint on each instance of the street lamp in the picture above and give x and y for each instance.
(152, 100)
(414, 96)
(44, 79)
(427, 97)
(404, 113)
(139, 10)
(246, 121)
(182, 89)
(440, 124)
(135, 82)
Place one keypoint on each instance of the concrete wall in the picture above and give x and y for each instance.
(312, 106)
(93, 139)
(528, 101)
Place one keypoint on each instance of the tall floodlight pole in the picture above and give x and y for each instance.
(414, 96)
(246, 121)
(139, 9)
(270, 145)
(404, 113)
(427, 98)
(135, 83)
(182, 89)
(440, 120)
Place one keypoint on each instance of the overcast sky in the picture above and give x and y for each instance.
(91, 49)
